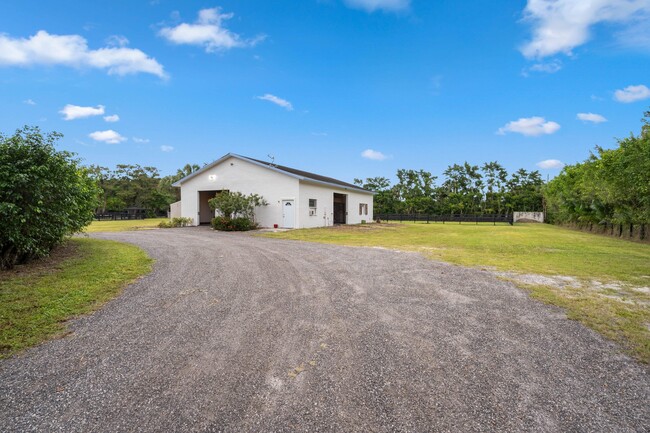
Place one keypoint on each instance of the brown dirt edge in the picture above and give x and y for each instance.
(46, 265)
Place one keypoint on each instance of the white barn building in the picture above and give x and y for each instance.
(296, 198)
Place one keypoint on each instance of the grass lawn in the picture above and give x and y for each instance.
(36, 299)
(619, 308)
(124, 225)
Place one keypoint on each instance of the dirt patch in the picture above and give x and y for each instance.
(611, 290)
(46, 265)
(557, 281)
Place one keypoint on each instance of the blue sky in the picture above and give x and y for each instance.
(346, 88)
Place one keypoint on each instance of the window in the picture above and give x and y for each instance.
(312, 202)
(363, 209)
(312, 207)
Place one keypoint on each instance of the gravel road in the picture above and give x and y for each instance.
(237, 333)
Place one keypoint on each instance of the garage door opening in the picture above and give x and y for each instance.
(340, 208)
(205, 214)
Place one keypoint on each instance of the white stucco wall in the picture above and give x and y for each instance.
(175, 210)
(324, 196)
(531, 216)
(234, 174)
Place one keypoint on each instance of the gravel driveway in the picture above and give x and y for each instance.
(236, 333)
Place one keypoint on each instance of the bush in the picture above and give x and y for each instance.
(176, 222)
(233, 224)
(235, 205)
(44, 196)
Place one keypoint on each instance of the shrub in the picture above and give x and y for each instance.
(233, 224)
(235, 205)
(176, 222)
(44, 195)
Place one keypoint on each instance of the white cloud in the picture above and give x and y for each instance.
(632, 94)
(550, 164)
(373, 155)
(373, 5)
(530, 126)
(112, 118)
(592, 117)
(29, 102)
(71, 112)
(109, 136)
(140, 140)
(559, 26)
(548, 67)
(209, 32)
(166, 148)
(72, 50)
(277, 101)
(117, 41)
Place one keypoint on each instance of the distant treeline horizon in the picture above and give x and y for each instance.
(610, 186)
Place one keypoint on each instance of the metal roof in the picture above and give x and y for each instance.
(299, 174)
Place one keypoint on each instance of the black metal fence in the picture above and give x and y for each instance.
(453, 218)
(115, 216)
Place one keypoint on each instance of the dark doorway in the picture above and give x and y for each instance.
(205, 213)
(340, 208)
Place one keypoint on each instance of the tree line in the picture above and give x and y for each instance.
(465, 189)
(612, 186)
(131, 185)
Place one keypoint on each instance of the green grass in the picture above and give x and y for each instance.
(621, 313)
(37, 299)
(124, 225)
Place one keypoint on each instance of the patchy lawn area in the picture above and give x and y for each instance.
(124, 225)
(601, 281)
(36, 299)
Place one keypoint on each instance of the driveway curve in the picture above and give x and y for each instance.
(237, 333)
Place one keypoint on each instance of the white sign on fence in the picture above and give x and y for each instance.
(528, 217)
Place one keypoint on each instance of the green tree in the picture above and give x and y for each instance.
(415, 191)
(45, 195)
(611, 186)
(463, 188)
(236, 205)
(134, 186)
(384, 200)
(496, 178)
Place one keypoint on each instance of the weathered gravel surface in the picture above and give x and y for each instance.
(236, 333)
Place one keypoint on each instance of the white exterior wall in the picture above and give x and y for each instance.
(324, 196)
(533, 216)
(175, 210)
(234, 174)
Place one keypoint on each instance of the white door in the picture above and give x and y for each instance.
(288, 214)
